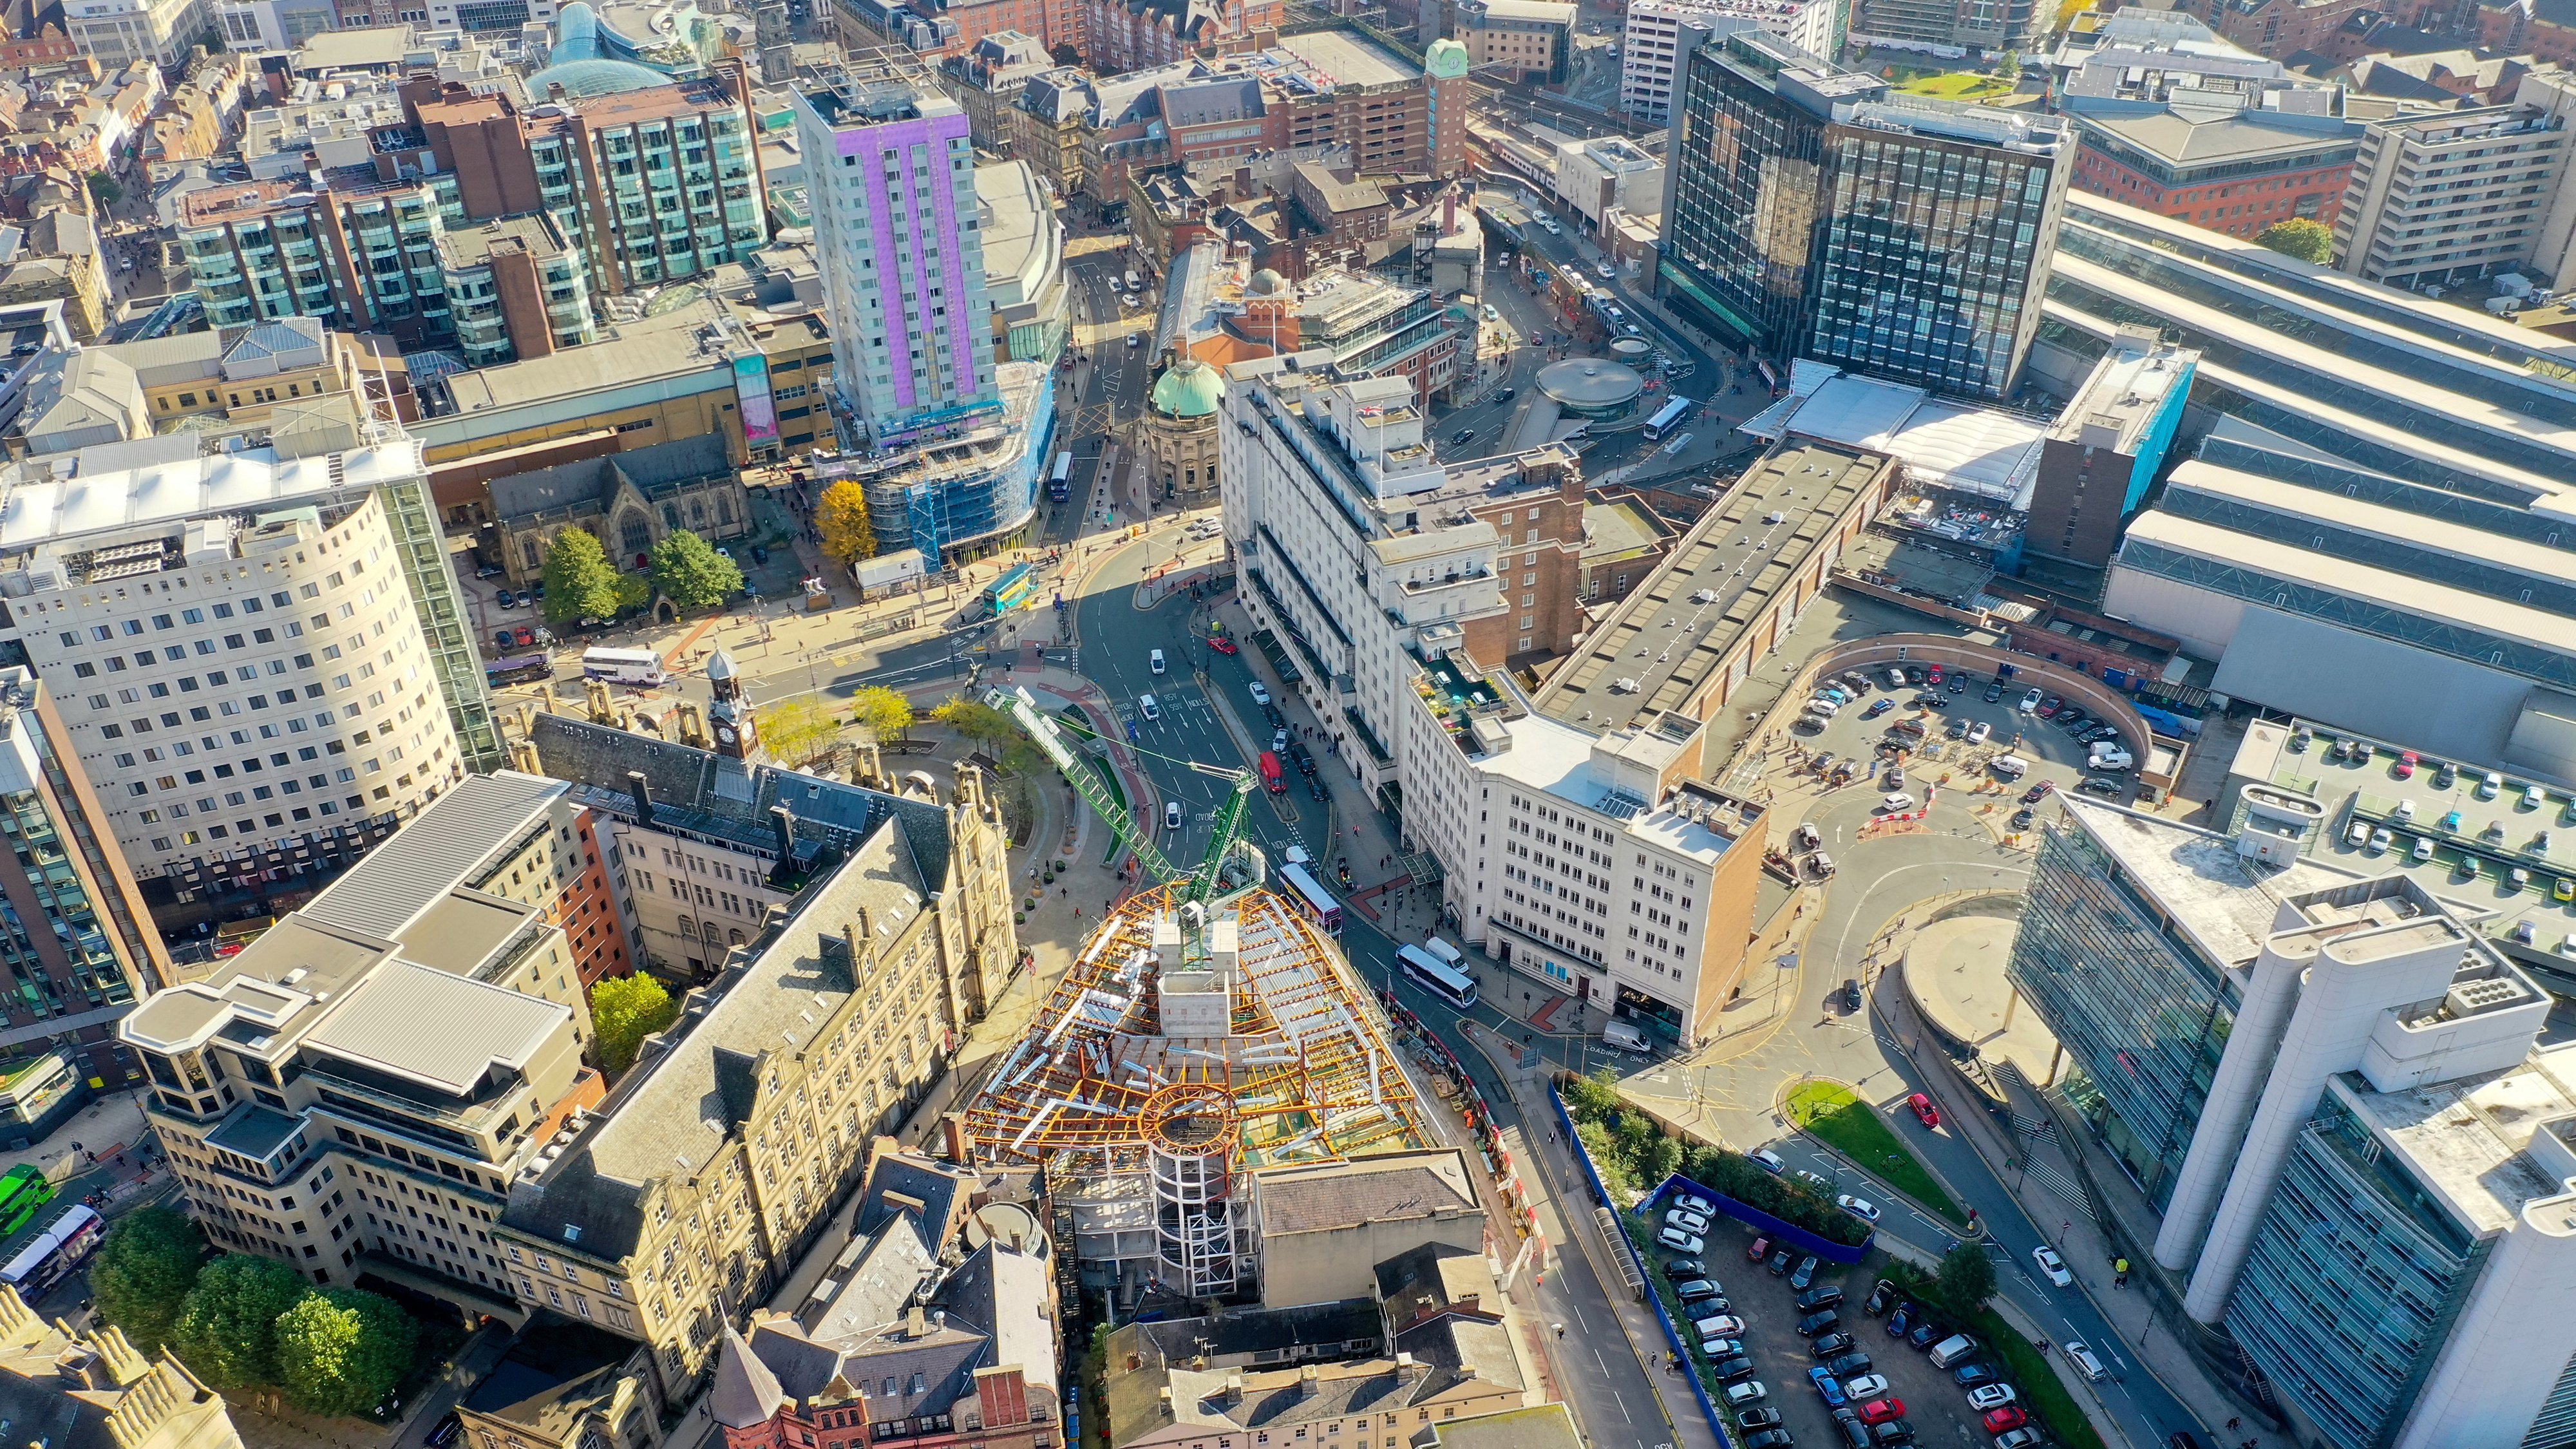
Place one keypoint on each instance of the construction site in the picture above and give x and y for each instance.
(1160, 1082)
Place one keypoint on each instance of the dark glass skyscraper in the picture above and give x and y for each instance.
(1811, 212)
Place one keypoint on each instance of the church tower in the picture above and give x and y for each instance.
(737, 733)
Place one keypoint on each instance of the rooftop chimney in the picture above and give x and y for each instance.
(643, 793)
(1234, 1386)
(1449, 214)
(782, 823)
(916, 1323)
(1310, 1381)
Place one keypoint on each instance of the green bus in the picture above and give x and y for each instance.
(22, 1191)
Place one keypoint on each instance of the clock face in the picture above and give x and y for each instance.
(725, 733)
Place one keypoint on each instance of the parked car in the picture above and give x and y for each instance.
(1828, 1296)
(1806, 1273)
(1769, 1439)
(1980, 732)
(1860, 1208)
(503, 639)
(2030, 702)
(1686, 1220)
(1759, 1418)
(2010, 1416)
(1829, 1388)
(1690, 1202)
(1766, 1159)
(1976, 1375)
(1260, 693)
(1924, 1112)
(1881, 1297)
(1724, 1325)
(1695, 1290)
(1994, 692)
(1816, 1323)
(1829, 1345)
(1879, 1411)
(1814, 1181)
(1990, 1396)
(2037, 793)
(1760, 1249)
(1926, 1332)
(1779, 1262)
(1683, 1268)
(1732, 1367)
(507, 600)
(1899, 1321)
(2102, 785)
(446, 1432)
(1750, 1392)
(1851, 1365)
(2024, 1438)
(1867, 1386)
(1679, 1241)
(2053, 1266)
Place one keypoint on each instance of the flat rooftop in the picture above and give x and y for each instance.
(1350, 59)
(2125, 391)
(42, 504)
(532, 234)
(1988, 451)
(2224, 903)
(1674, 634)
(2464, 1140)
(664, 345)
(442, 1031)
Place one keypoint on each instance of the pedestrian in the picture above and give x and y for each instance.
(2234, 1424)
(1560, 1330)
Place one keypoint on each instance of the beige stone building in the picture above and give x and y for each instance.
(720, 1157)
(99, 1392)
(1178, 433)
(629, 501)
(564, 1384)
(1323, 1228)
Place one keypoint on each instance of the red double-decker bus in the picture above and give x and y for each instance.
(1270, 775)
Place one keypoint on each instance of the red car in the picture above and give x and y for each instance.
(525, 635)
(1932, 675)
(2010, 1416)
(1222, 644)
(1879, 1411)
(1924, 1111)
(1761, 1248)
(2407, 760)
(2050, 706)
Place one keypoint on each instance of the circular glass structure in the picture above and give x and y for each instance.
(1592, 387)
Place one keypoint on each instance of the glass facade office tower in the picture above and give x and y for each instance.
(1811, 212)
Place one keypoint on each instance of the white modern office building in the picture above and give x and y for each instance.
(260, 652)
(1649, 58)
(2337, 1094)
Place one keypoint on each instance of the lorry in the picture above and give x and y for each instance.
(1271, 775)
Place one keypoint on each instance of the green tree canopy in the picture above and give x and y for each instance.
(623, 1011)
(634, 591)
(882, 710)
(228, 1330)
(841, 516)
(798, 729)
(340, 1351)
(691, 574)
(1966, 1278)
(2309, 241)
(580, 581)
(144, 1271)
(105, 189)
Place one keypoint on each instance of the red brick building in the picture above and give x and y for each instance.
(2235, 173)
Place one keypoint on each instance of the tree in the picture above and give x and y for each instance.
(1966, 1278)
(634, 591)
(144, 1271)
(691, 574)
(978, 721)
(2309, 241)
(798, 729)
(228, 1331)
(580, 581)
(106, 190)
(623, 1011)
(841, 515)
(882, 711)
(2009, 68)
(340, 1351)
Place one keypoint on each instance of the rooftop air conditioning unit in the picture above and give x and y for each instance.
(1705, 596)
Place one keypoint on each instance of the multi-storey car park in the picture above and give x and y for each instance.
(1155, 1092)
(260, 654)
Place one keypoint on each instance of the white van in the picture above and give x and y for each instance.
(1823, 706)
(2010, 767)
(1449, 955)
(1958, 1346)
(2113, 759)
(1620, 1036)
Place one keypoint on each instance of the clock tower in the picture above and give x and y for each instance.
(737, 732)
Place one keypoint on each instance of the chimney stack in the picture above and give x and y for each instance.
(1243, 182)
(1449, 214)
(916, 1323)
(782, 824)
(1310, 1382)
(1234, 1386)
(637, 786)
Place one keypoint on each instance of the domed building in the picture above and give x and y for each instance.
(1179, 432)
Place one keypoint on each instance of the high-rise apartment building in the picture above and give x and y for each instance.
(362, 1083)
(259, 652)
(77, 944)
(2451, 195)
(117, 33)
(1812, 212)
(1649, 48)
(2339, 1099)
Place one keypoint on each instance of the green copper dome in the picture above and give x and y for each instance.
(1189, 389)
(1445, 59)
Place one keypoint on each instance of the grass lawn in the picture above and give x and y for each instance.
(1845, 1122)
(2041, 1392)
(1957, 85)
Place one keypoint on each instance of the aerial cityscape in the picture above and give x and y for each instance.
(1288, 724)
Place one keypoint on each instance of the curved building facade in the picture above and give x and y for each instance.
(1179, 432)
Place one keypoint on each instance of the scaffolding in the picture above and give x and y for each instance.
(1273, 1055)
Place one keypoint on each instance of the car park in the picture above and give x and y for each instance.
(1860, 1208)
(1805, 1275)
(1924, 1112)
(2053, 1266)
(1816, 1323)
(1828, 1388)
(1990, 1396)
(1146, 706)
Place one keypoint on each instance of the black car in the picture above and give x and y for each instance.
(1463, 435)
(1779, 1262)
(1681, 1268)
(1975, 1375)
(1271, 713)
(1695, 1290)
(1855, 1433)
(1928, 699)
(1829, 1296)
(1806, 1273)
(1315, 790)
(1758, 1418)
(1829, 1345)
(760, 553)
(446, 1432)
(1730, 1369)
(1901, 1320)
(1882, 1296)
(1914, 674)
(1926, 1333)
(2102, 785)
(1959, 729)
(2021, 820)
(1958, 684)
(1894, 1431)
(1850, 1366)
(1507, 394)
(1851, 993)
(1769, 1439)
(1304, 757)
(1815, 1323)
